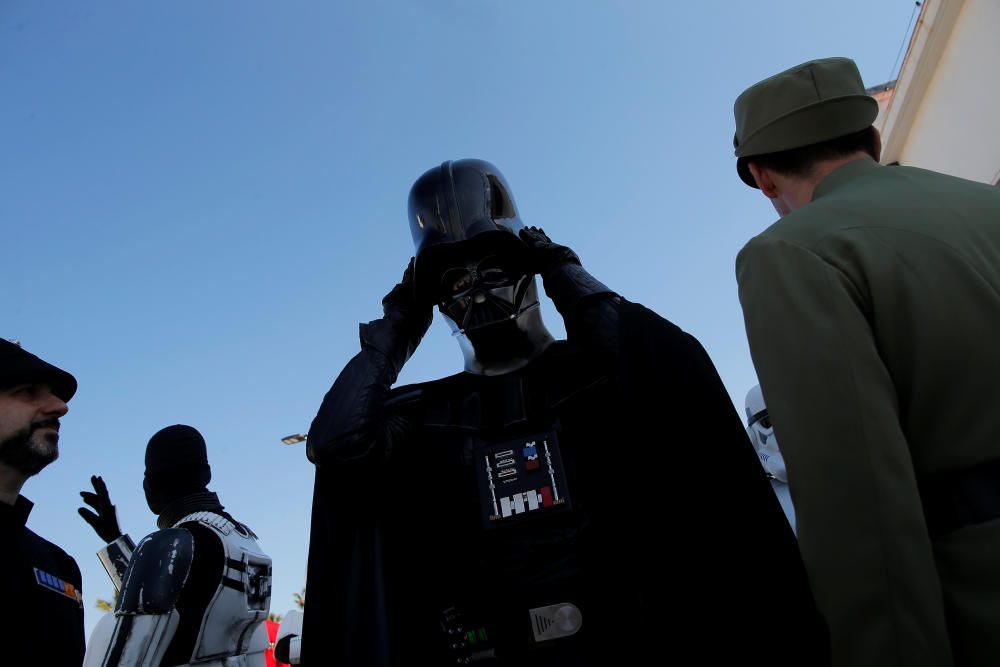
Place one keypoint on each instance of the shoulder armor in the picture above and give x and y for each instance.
(222, 524)
(211, 519)
(156, 573)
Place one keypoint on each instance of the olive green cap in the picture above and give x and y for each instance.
(807, 104)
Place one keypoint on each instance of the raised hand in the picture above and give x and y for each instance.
(543, 254)
(105, 521)
(401, 305)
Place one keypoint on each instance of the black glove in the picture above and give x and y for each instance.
(105, 522)
(566, 282)
(543, 255)
(401, 303)
(404, 323)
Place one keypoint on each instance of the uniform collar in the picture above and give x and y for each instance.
(843, 175)
(200, 501)
(16, 514)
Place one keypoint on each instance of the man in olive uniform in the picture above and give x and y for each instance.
(872, 309)
(42, 611)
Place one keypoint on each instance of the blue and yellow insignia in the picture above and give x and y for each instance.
(57, 585)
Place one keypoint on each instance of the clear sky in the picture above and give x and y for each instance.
(199, 201)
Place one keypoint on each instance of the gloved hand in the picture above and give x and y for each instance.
(105, 521)
(401, 305)
(543, 255)
(405, 321)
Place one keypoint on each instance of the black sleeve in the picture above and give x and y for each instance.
(590, 310)
(352, 424)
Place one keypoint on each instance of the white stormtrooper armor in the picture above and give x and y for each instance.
(115, 557)
(232, 632)
(290, 651)
(761, 433)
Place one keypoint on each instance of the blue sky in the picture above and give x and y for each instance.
(200, 200)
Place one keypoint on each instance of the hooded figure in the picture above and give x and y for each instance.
(530, 509)
(197, 591)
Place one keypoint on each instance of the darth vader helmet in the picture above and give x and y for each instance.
(471, 263)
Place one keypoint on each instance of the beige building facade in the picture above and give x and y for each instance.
(943, 113)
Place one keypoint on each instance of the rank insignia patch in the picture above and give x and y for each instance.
(57, 585)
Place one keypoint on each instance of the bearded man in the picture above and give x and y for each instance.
(43, 606)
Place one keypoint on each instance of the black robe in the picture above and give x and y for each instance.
(673, 542)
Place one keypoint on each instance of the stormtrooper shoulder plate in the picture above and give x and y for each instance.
(156, 573)
(146, 616)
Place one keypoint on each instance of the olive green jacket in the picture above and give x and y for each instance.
(873, 315)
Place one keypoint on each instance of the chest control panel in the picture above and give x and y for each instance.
(520, 478)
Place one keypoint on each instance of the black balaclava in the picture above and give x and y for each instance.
(471, 263)
(176, 466)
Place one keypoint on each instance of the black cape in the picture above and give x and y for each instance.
(698, 559)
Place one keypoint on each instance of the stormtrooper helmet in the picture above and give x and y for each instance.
(761, 432)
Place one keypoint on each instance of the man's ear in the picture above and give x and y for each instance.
(764, 180)
(877, 144)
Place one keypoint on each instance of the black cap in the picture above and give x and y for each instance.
(18, 365)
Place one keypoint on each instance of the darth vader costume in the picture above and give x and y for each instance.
(556, 503)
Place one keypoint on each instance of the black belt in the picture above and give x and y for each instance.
(964, 498)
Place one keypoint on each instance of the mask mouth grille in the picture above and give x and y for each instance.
(492, 307)
(490, 311)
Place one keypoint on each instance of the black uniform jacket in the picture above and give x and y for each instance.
(40, 589)
(669, 541)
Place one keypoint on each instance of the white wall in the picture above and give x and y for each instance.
(957, 127)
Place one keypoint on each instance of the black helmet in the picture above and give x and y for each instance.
(455, 203)
(471, 262)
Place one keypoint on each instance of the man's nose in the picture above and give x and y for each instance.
(53, 405)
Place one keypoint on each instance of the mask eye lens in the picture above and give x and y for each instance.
(456, 281)
(461, 284)
(493, 276)
(493, 272)
(765, 422)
